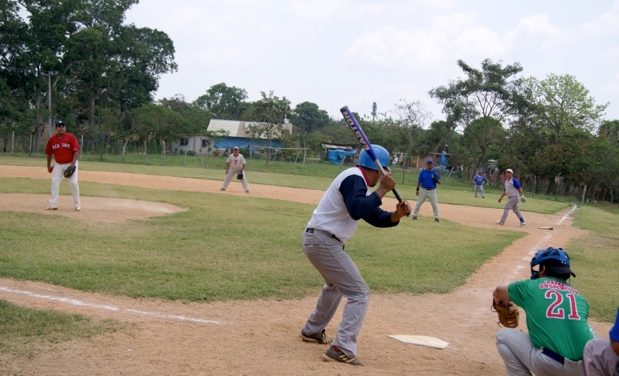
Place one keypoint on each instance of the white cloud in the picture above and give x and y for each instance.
(611, 88)
(478, 41)
(392, 47)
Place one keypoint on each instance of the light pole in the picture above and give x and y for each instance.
(49, 75)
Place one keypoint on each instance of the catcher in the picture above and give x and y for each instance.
(65, 148)
(556, 319)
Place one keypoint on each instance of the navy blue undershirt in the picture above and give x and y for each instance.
(360, 206)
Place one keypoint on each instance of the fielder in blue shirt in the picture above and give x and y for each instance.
(478, 184)
(427, 180)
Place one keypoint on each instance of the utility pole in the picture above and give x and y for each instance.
(48, 132)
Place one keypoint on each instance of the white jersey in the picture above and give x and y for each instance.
(236, 163)
(331, 214)
(511, 188)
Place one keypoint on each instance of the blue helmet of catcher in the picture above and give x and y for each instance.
(381, 153)
(555, 259)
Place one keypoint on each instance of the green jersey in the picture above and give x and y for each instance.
(556, 315)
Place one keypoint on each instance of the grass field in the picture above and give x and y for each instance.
(311, 175)
(197, 255)
(595, 258)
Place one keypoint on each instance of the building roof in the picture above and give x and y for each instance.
(239, 128)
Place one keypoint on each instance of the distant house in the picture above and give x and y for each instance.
(226, 134)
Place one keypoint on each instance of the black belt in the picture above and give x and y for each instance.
(311, 231)
(551, 354)
(429, 189)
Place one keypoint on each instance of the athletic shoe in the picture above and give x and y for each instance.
(51, 208)
(333, 354)
(222, 189)
(500, 223)
(414, 217)
(321, 338)
(522, 223)
(247, 191)
(77, 208)
(436, 220)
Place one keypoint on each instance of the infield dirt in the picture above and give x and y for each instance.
(262, 337)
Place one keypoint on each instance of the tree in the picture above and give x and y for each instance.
(223, 101)
(483, 138)
(307, 116)
(488, 92)
(561, 105)
(272, 111)
(609, 131)
(411, 118)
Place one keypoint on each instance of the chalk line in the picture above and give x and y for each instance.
(544, 240)
(105, 307)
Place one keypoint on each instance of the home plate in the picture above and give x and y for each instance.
(437, 343)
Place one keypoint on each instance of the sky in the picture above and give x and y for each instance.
(356, 52)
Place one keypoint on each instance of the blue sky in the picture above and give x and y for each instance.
(355, 52)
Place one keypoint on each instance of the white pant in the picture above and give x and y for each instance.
(232, 173)
(424, 195)
(57, 176)
(521, 357)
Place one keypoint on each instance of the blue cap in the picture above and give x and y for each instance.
(430, 161)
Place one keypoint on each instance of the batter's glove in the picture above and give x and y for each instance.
(508, 314)
(239, 175)
(69, 171)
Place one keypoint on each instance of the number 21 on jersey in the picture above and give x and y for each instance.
(554, 310)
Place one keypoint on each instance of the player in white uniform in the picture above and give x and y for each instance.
(235, 163)
(333, 222)
(513, 191)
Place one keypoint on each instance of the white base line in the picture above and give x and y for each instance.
(543, 241)
(566, 216)
(111, 308)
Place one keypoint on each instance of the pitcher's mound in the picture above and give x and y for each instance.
(96, 209)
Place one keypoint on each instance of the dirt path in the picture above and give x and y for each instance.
(261, 337)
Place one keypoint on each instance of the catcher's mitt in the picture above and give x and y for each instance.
(523, 199)
(508, 314)
(239, 175)
(69, 171)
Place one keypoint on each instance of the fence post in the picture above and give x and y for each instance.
(584, 192)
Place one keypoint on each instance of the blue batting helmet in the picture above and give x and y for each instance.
(381, 153)
(556, 259)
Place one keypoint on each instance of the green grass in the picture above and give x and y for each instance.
(595, 259)
(25, 331)
(311, 176)
(224, 247)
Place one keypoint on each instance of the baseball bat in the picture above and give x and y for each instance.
(363, 140)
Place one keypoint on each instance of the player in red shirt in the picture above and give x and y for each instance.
(65, 149)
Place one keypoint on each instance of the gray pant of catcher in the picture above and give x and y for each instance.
(521, 358)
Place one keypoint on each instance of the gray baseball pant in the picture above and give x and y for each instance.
(512, 204)
(521, 358)
(342, 278)
(599, 359)
(425, 194)
(478, 188)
